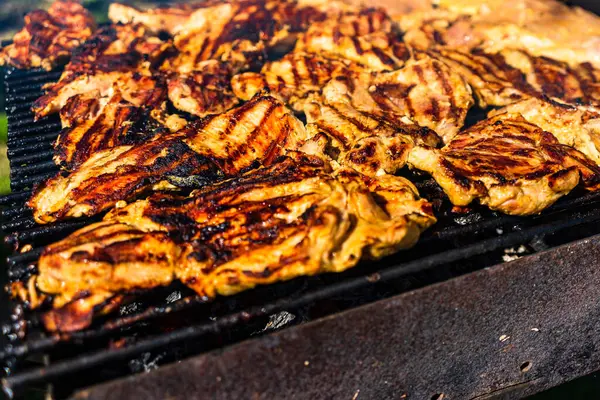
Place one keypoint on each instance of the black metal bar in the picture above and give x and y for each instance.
(45, 166)
(46, 137)
(19, 151)
(44, 230)
(18, 224)
(42, 155)
(52, 126)
(14, 212)
(28, 181)
(24, 258)
(43, 78)
(15, 197)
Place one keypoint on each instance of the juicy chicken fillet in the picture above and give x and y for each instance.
(362, 140)
(112, 54)
(543, 28)
(120, 122)
(239, 33)
(208, 149)
(573, 126)
(425, 92)
(168, 19)
(499, 79)
(293, 78)
(507, 164)
(291, 219)
(204, 91)
(49, 37)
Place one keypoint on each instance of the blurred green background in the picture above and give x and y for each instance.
(11, 12)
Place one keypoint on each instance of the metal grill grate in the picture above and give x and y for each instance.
(458, 244)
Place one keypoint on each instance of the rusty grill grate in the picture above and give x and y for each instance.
(171, 323)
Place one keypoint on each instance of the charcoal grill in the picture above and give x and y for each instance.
(431, 322)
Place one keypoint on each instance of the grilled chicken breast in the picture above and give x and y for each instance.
(204, 91)
(49, 37)
(115, 53)
(507, 164)
(291, 219)
(577, 127)
(543, 28)
(499, 79)
(119, 123)
(216, 146)
(424, 91)
(293, 77)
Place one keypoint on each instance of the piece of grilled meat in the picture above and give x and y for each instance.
(377, 51)
(292, 219)
(119, 53)
(507, 164)
(424, 91)
(120, 122)
(204, 91)
(543, 28)
(499, 79)
(49, 37)
(293, 78)
(205, 150)
(574, 126)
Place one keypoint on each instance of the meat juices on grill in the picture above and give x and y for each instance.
(49, 37)
(499, 79)
(507, 164)
(208, 149)
(292, 219)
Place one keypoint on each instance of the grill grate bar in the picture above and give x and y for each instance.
(60, 368)
(53, 126)
(44, 230)
(46, 166)
(18, 224)
(15, 197)
(29, 181)
(14, 212)
(18, 151)
(24, 258)
(42, 155)
(25, 141)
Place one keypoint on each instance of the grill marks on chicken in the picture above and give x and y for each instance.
(205, 150)
(293, 78)
(113, 54)
(507, 164)
(204, 91)
(49, 37)
(365, 36)
(291, 219)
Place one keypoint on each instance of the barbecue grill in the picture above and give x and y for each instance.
(432, 322)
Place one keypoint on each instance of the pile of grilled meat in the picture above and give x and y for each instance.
(239, 143)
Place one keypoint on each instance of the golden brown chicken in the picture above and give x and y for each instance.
(542, 28)
(204, 91)
(424, 91)
(293, 78)
(113, 55)
(49, 37)
(206, 150)
(499, 79)
(507, 164)
(291, 219)
(577, 127)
